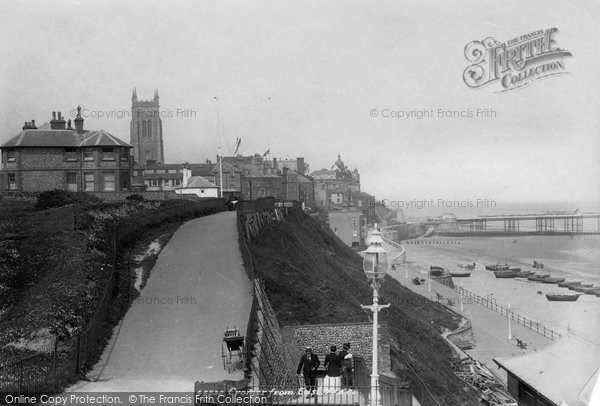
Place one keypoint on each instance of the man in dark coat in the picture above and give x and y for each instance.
(308, 365)
(333, 363)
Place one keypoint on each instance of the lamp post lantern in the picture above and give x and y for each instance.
(375, 266)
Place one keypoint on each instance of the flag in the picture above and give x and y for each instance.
(267, 152)
(237, 145)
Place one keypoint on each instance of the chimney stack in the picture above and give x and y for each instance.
(57, 123)
(79, 121)
(29, 125)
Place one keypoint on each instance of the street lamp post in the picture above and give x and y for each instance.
(375, 266)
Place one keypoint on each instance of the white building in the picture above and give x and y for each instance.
(196, 185)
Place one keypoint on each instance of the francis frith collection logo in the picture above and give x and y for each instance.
(514, 63)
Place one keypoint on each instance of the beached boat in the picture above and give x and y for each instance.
(460, 274)
(566, 284)
(467, 266)
(416, 281)
(537, 278)
(505, 274)
(589, 291)
(552, 279)
(515, 269)
(497, 267)
(580, 288)
(560, 297)
(524, 274)
(436, 270)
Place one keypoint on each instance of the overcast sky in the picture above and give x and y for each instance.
(301, 77)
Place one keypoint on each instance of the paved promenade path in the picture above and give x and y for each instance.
(490, 329)
(172, 334)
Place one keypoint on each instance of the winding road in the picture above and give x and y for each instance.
(172, 334)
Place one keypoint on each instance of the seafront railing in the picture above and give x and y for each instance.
(525, 321)
(491, 304)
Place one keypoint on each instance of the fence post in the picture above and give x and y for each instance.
(54, 359)
(77, 355)
(20, 377)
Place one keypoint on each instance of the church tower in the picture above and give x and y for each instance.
(146, 130)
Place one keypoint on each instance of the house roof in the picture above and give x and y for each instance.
(559, 372)
(303, 179)
(226, 167)
(43, 137)
(262, 176)
(198, 182)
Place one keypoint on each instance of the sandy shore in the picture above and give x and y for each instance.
(490, 329)
(576, 258)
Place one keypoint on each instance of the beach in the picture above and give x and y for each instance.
(574, 258)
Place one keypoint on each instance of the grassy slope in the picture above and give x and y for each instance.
(311, 277)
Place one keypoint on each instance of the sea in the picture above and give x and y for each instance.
(576, 258)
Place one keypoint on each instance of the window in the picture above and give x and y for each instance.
(109, 181)
(176, 182)
(154, 182)
(124, 185)
(124, 156)
(107, 154)
(72, 181)
(88, 181)
(135, 173)
(88, 155)
(359, 203)
(10, 155)
(12, 181)
(354, 223)
(71, 154)
(144, 132)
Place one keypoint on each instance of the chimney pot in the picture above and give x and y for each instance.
(33, 122)
(54, 115)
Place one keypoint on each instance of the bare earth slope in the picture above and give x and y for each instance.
(312, 277)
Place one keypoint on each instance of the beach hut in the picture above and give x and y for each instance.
(559, 374)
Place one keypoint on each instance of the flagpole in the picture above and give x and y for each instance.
(219, 150)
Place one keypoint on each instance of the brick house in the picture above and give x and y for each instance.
(57, 156)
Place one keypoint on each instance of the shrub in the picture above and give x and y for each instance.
(135, 197)
(58, 198)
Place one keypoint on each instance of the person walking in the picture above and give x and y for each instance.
(308, 366)
(333, 377)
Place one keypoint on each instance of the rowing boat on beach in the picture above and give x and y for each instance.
(566, 284)
(524, 274)
(505, 274)
(537, 278)
(436, 270)
(552, 279)
(590, 291)
(560, 297)
(467, 266)
(580, 288)
(497, 267)
(460, 274)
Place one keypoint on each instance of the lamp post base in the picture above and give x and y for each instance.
(374, 395)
